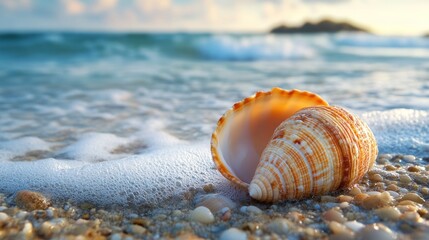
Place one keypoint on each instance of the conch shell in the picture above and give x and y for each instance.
(285, 145)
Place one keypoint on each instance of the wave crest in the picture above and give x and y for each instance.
(251, 48)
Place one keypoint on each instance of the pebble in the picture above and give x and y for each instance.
(413, 197)
(425, 191)
(338, 228)
(344, 198)
(388, 213)
(31, 201)
(393, 194)
(334, 214)
(253, 209)
(355, 191)
(376, 178)
(279, 226)
(354, 225)
(411, 216)
(136, 229)
(405, 179)
(3, 217)
(233, 234)
(226, 214)
(409, 158)
(115, 236)
(376, 201)
(375, 232)
(27, 230)
(214, 202)
(202, 214)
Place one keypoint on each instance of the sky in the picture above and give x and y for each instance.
(387, 17)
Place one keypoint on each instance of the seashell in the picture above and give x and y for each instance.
(285, 145)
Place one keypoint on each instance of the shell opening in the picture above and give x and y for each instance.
(245, 130)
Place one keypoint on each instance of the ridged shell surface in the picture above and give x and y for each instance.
(315, 151)
(244, 131)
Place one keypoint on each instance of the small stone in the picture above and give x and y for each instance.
(392, 187)
(411, 216)
(279, 226)
(253, 210)
(388, 213)
(188, 236)
(377, 201)
(375, 232)
(344, 198)
(334, 214)
(136, 229)
(21, 215)
(30, 200)
(413, 197)
(344, 205)
(337, 228)
(393, 194)
(208, 188)
(233, 234)
(202, 214)
(355, 191)
(144, 222)
(115, 236)
(405, 179)
(376, 178)
(359, 198)
(27, 230)
(413, 169)
(226, 214)
(3, 217)
(409, 158)
(390, 168)
(354, 225)
(425, 191)
(214, 202)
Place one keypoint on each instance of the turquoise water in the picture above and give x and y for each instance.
(81, 101)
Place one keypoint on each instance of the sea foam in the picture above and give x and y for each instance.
(169, 167)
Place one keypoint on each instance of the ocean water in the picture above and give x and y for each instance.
(126, 118)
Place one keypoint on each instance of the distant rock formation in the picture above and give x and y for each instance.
(324, 26)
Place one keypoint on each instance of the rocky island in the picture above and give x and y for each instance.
(324, 26)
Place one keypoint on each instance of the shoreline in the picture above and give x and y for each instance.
(391, 200)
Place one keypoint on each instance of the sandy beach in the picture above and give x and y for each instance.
(389, 203)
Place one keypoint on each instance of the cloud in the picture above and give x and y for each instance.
(73, 7)
(104, 5)
(15, 4)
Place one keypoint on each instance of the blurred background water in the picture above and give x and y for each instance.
(58, 85)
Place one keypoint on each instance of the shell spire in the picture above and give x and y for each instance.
(317, 150)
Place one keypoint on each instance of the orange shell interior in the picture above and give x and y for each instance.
(243, 132)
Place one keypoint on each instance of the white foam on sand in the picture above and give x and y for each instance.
(93, 147)
(167, 166)
(404, 131)
(21, 146)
